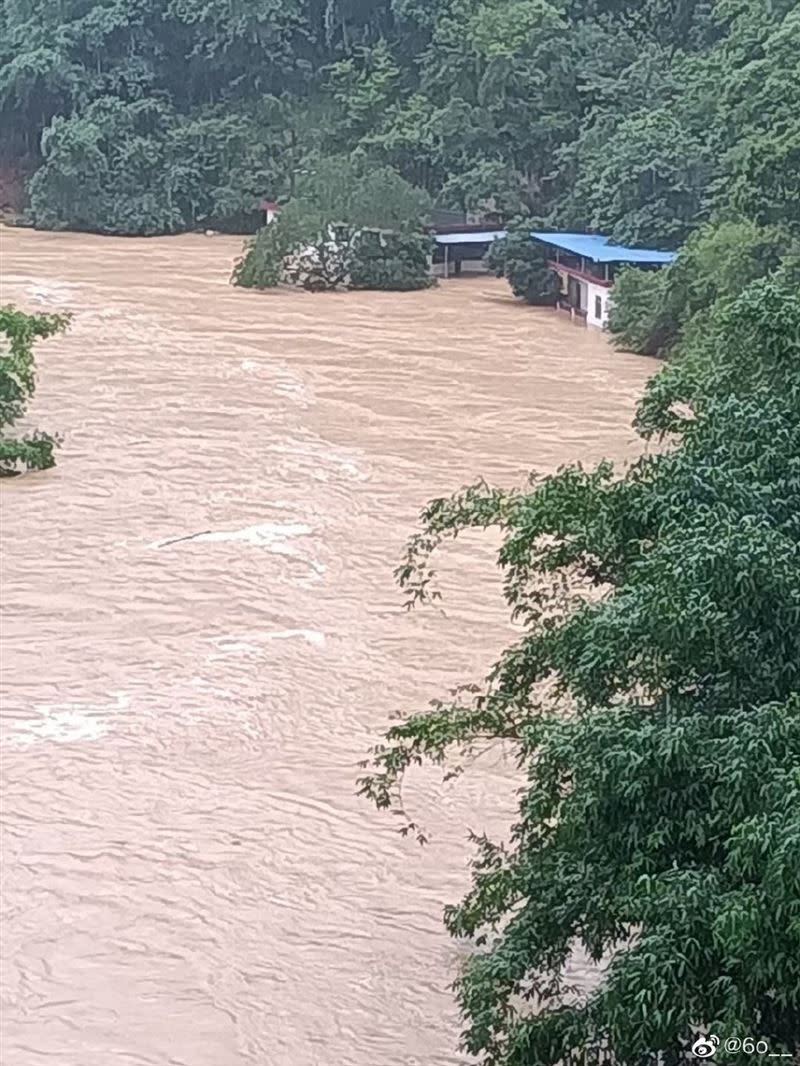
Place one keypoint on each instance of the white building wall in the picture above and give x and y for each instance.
(593, 294)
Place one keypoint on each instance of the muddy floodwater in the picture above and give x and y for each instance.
(189, 878)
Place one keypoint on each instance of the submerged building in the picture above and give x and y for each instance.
(587, 265)
(461, 246)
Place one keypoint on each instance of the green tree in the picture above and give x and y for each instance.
(18, 335)
(106, 170)
(140, 168)
(524, 265)
(759, 118)
(260, 265)
(653, 705)
(383, 200)
(365, 89)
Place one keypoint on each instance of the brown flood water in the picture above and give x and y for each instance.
(189, 877)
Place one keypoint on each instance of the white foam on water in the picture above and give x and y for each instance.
(315, 574)
(251, 643)
(50, 293)
(274, 536)
(353, 471)
(234, 647)
(287, 384)
(68, 723)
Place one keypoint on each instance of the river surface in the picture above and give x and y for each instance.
(189, 876)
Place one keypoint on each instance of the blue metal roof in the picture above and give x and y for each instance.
(600, 249)
(485, 237)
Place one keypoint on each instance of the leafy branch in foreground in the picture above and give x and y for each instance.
(19, 333)
(653, 706)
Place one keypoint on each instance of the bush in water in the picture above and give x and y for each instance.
(301, 250)
(524, 265)
(345, 226)
(260, 265)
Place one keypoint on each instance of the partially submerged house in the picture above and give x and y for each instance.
(464, 245)
(587, 265)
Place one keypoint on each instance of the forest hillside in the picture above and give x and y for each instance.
(641, 119)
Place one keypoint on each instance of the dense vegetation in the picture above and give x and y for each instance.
(18, 334)
(640, 118)
(653, 704)
(651, 311)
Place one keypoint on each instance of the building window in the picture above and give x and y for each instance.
(598, 307)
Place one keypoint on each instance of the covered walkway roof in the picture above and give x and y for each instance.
(600, 249)
(479, 237)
